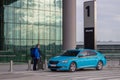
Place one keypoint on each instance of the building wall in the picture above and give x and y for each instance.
(28, 22)
(105, 48)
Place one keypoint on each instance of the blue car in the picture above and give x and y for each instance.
(72, 60)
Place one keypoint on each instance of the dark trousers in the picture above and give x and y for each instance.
(35, 62)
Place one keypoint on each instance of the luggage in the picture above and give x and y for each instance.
(40, 65)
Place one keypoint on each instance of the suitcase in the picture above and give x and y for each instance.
(40, 65)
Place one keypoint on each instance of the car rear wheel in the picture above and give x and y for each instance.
(99, 66)
(72, 67)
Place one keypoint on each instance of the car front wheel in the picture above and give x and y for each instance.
(72, 67)
(99, 66)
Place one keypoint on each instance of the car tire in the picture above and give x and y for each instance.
(72, 67)
(53, 69)
(99, 66)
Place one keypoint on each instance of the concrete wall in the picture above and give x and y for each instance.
(69, 24)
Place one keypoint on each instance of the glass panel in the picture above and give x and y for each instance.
(29, 43)
(17, 43)
(11, 15)
(17, 31)
(52, 47)
(47, 43)
(23, 42)
(23, 3)
(9, 30)
(42, 43)
(47, 5)
(30, 16)
(30, 4)
(58, 43)
(41, 17)
(23, 31)
(52, 18)
(58, 21)
(17, 3)
(52, 5)
(5, 30)
(29, 32)
(47, 48)
(53, 33)
(47, 32)
(58, 47)
(58, 33)
(47, 18)
(35, 32)
(23, 15)
(42, 4)
(5, 14)
(35, 42)
(36, 4)
(58, 4)
(35, 16)
(41, 32)
(17, 15)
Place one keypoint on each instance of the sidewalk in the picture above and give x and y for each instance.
(16, 67)
(5, 67)
(20, 72)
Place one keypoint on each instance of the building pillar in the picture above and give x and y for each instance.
(69, 24)
(90, 24)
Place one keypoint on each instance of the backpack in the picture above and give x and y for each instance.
(32, 52)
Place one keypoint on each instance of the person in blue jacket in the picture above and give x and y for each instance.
(36, 56)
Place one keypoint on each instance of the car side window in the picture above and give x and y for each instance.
(91, 53)
(84, 53)
(88, 53)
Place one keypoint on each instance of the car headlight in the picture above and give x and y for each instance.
(65, 61)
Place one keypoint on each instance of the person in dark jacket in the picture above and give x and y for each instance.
(36, 56)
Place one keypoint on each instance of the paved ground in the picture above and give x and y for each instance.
(20, 72)
(87, 74)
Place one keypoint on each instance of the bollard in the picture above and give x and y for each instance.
(11, 66)
(119, 61)
(112, 63)
(29, 65)
(46, 64)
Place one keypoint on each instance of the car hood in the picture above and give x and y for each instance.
(61, 58)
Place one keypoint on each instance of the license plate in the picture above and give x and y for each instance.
(53, 65)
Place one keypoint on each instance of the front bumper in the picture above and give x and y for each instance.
(63, 66)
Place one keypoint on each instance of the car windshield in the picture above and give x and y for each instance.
(70, 53)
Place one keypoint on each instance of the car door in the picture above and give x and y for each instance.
(82, 59)
(91, 58)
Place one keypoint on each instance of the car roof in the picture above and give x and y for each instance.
(80, 49)
(74, 50)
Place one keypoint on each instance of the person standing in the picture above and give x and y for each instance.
(36, 56)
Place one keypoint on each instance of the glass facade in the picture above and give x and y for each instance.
(24, 23)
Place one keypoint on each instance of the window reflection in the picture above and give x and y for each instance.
(28, 22)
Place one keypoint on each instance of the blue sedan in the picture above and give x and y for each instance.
(72, 60)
